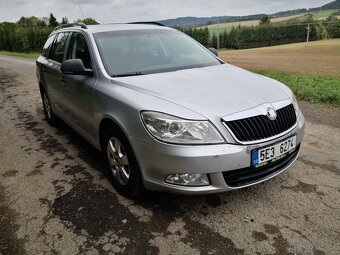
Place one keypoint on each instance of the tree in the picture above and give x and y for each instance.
(52, 21)
(265, 20)
(64, 20)
(89, 21)
(214, 41)
(30, 22)
(204, 36)
(23, 22)
(45, 20)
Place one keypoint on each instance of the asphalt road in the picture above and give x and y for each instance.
(55, 199)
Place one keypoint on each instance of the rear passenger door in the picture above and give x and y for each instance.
(52, 73)
(78, 89)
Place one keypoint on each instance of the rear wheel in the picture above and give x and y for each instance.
(122, 166)
(51, 118)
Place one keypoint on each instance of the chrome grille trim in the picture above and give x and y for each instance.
(260, 128)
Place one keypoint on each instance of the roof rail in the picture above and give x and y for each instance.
(148, 23)
(77, 24)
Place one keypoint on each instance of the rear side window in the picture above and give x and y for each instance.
(58, 48)
(46, 49)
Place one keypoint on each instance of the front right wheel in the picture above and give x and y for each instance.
(122, 166)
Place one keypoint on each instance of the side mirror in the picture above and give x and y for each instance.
(213, 51)
(75, 67)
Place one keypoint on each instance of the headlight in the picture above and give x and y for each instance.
(296, 106)
(171, 129)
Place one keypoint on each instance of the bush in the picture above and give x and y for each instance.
(333, 29)
(18, 38)
(265, 35)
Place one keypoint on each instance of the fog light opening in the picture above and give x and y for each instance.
(188, 179)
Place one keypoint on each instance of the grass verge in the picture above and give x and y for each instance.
(32, 55)
(315, 89)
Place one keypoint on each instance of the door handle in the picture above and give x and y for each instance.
(62, 79)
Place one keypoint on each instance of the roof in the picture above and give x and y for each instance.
(114, 27)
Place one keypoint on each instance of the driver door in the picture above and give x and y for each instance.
(77, 92)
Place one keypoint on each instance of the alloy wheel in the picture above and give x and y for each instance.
(118, 160)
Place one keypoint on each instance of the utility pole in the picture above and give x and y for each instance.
(308, 31)
(81, 11)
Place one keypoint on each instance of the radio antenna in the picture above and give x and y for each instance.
(81, 11)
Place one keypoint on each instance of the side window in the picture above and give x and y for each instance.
(46, 49)
(58, 48)
(78, 49)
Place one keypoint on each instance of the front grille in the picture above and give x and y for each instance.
(249, 175)
(261, 127)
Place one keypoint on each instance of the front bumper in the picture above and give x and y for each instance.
(157, 160)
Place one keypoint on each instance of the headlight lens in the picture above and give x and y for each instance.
(296, 106)
(171, 129)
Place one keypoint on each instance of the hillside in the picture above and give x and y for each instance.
(330, 6)
(196, 21)
(202, 21)
(221, 27)
(288, 13)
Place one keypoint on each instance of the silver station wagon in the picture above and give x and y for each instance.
(166, 112)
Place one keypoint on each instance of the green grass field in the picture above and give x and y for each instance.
(323, 14)
(32, 55)
(315, 89)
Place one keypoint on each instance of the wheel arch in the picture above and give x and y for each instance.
(108, 121)
(41, 87)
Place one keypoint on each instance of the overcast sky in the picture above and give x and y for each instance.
(106, 11)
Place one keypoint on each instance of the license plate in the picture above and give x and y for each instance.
(272, 153)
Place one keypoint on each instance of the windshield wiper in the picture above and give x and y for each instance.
(127, 74)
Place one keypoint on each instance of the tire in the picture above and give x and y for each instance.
(122, 167)
(49, 115)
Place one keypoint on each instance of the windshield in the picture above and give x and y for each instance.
(138, 52)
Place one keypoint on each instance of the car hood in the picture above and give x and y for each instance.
(220, 90)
